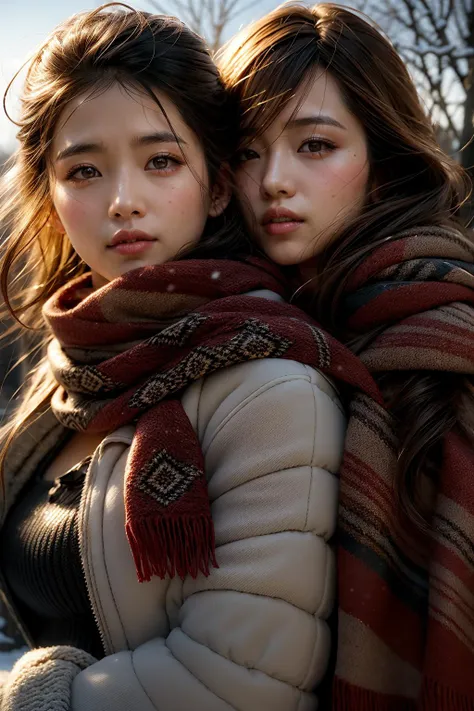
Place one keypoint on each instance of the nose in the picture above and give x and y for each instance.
(126, 200)
(277, 180)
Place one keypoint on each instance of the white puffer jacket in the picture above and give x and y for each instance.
(252, 636)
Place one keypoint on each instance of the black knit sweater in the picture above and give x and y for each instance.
(41, 563)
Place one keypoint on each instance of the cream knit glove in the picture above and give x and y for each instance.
(41, 679)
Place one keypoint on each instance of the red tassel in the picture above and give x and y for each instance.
(172, 546)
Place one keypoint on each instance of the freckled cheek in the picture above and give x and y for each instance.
(175, 207)
(352, 176)
(183, 209)
(182, 203)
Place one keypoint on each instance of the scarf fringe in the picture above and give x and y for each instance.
(434, 697)
(348, 697)
(166, 545)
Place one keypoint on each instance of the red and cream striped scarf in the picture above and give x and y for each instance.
(406, 600)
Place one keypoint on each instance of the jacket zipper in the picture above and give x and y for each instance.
(93, 599)
(92, 593)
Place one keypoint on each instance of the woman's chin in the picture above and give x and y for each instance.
(286, 254)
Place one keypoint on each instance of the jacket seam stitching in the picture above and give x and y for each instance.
(94, 586)
(312, 458)
(264, 595)
(99, 606)
(198, 411)
(253, 396)
(107, 569)
(327, 576)
(243, 666)
(194, 675)
(273, 533)
(132, 660)
(276, 471)
(263, 389)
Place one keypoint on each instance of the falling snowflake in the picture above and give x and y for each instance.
(170, 287)
(215, 275)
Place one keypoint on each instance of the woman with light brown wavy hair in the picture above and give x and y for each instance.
(169, 476)
(343, 184)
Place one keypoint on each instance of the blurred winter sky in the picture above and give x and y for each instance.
(24, 24)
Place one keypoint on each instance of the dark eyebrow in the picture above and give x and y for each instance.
(158, 137)
(315, 121)
(78, 148)
(147, 140)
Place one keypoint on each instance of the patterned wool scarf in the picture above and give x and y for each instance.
(125, 352)
(406, 600)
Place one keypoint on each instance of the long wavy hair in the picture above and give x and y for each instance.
(88, 53)
(412, 182)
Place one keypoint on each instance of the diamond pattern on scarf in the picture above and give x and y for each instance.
(75, 412)
(77, 421)
(255, 340)
(178, 333)
(86, 379)
(166, 479)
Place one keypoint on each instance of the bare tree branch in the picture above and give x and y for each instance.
(434, 38)
(209, 18)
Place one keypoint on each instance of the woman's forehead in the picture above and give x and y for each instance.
(118, 113)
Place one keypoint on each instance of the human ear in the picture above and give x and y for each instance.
(221, 192)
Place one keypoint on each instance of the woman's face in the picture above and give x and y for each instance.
(125, 190)
(301, 180)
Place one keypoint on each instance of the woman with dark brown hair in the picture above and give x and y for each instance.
(343, 183)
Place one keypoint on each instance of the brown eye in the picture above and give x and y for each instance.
(246, 155)
(160, 162)
(163, 162)
(316, 146)
(82, 173)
